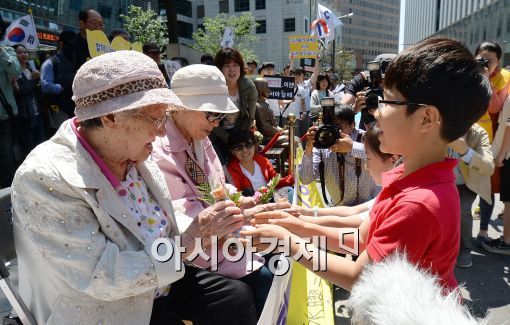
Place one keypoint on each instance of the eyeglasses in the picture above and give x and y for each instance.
(397, 102)
(159, 122)
(241, 146)
(211, 117)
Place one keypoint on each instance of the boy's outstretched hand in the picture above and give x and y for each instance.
(262, 235)
(280, 218)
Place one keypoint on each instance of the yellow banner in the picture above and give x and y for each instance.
(311, 297)
(303, 46)
(99, 44)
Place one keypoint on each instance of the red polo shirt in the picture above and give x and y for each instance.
(420, 215)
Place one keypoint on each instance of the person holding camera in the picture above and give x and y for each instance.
(364, 89)
(334, 153)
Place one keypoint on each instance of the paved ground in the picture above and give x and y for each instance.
(487, 282)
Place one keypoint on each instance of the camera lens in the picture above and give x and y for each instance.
(326, 136)
(372, 101)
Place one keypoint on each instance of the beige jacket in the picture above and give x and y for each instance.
(477, 173)
(81, 257)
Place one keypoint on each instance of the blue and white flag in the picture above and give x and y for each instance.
(331, 20)
(21, 31)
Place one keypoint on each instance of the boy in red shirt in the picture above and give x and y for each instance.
(434, 91)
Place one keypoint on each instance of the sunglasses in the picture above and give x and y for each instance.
(241, 146)
(211, 117)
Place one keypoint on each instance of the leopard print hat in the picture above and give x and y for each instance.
(120, 81)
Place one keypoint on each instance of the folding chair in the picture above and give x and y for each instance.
(7, 253)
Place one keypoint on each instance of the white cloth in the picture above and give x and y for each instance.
(92, 262)
(296, 106)
(274, 106)
(364, 215)
(257, 180)
(503, 123)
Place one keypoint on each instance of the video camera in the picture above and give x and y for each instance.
(375, 77)
(328, 132)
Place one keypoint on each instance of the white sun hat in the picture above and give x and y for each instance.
(202, 88)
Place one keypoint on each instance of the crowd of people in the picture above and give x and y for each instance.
(131, 149)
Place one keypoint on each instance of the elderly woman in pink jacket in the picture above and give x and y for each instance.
(187, 159)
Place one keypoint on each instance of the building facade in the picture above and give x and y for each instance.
(469, 21)
(372, 30)
(53, 16)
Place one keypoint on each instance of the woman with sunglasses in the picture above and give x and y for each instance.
(187, 158)
(250, 171)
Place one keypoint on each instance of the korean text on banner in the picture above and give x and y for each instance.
(303, 46)
(311, 297)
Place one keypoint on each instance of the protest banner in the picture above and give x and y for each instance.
(303, 46)
(280, 87)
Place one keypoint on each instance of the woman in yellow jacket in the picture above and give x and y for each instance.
(491, 53)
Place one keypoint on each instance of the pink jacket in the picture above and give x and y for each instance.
(170, 153)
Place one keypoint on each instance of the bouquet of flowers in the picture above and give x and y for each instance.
(212, 196)
(265, 193)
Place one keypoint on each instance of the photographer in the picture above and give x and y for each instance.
(370, 81)
(342, 165)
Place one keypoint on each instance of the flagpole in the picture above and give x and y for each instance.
(334, 42)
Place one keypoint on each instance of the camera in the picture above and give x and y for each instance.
(328, 132)
(483, 62)
(373, 92)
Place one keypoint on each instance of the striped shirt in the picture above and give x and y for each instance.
(308, 171)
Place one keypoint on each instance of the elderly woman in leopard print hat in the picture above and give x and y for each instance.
(88, 205)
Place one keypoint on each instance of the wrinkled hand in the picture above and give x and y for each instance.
(247, 203)
(250, 214)
(218, 220)
(342, 145)
(459, 146)
(498, 162)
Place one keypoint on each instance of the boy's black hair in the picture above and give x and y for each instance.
(491, 47)
(344, 112)
(240, 136)
(442, 72)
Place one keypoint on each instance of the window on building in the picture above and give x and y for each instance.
(184, 29)
(76, 5)
(241, 5)
(105, 10)
(200, 11)
(224, 6)
(261, 27)
(260, 4)
(183, 8)
(289, 25)
(306, 25)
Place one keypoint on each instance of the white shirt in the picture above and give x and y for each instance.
(308, 87)
(274, 106)
(296, 107)
(257, 180)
